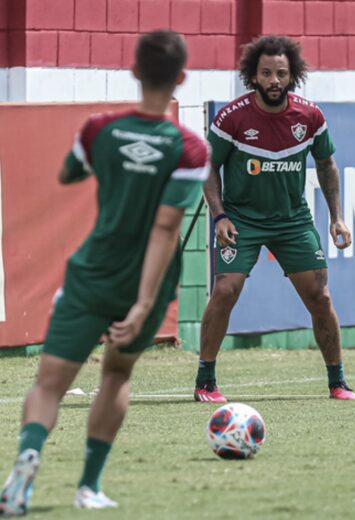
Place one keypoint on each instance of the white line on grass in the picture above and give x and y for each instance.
(189, 397)
(8, 400)
(170, 393)
(232, 397)
(245, 385)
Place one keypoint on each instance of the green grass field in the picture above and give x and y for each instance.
(162, 468)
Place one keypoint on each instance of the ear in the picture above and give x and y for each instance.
(135, 71)
(181, 78)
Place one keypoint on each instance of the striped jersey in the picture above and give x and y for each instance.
(264, 159)
(140, 162)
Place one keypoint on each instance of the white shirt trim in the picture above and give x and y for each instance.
(267, 154)
(191, 174)
(80, 154)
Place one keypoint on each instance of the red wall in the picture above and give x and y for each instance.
(43, 222)
(102, 33)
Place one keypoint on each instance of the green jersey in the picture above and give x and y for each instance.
(264, 159)
(140, 163)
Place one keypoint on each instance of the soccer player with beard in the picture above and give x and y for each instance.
(262, 140)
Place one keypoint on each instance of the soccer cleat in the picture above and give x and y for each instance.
(342, 392)
(18, 486)
(205, 395)
(86, 498)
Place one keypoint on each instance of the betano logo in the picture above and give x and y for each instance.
(254, 166)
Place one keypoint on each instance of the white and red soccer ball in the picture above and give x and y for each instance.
(236, 431)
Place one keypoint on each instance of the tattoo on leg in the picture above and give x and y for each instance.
(320, 278)
(204, 329)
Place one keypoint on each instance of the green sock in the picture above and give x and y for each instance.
(95, 458)
(33, 435)
(206, 374)
(335, 374)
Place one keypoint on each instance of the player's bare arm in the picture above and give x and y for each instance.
(212, 190)
(63, 175)
(225, 229)
(328, 176)
(162, 245)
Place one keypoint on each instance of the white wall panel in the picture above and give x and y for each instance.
(50, 84)
(121, 86)
(90, 85)
(57, 84)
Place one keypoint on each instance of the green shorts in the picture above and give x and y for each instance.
(74, 332)
(296, 250)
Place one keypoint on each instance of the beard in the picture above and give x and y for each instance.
(272, 102)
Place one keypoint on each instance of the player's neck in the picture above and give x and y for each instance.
(270, 109)
(155, 102)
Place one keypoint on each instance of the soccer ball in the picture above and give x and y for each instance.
(236, 431)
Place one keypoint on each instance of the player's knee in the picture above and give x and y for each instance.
(51, 387)
(225, 293)
(118, 362)
(117, 370)
(321, 302)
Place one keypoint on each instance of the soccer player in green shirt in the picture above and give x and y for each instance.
(262, 140)
(149, 169)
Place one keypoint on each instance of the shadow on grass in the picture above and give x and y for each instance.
(284, 398)
(241, 399)
(41, 509)
(158, 403)
(205, 459)
(87, 404)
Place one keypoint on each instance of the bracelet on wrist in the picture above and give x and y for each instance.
(219, 217)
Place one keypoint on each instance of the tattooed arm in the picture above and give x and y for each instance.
(213, 191)
(225, 229)
(328, 176)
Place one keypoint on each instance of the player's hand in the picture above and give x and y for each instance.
(122, 333)
(226, 232)
(340, 234)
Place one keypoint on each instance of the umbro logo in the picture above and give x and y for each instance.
(319, 255)
(251, 134)
(141, 152)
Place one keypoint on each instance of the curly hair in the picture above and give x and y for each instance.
(273, 45)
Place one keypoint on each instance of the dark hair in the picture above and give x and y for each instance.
(160, 57)
(273, 45)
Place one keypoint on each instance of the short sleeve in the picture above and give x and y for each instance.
(78, 159)
(220, 137)
(323, 146)
(185, 183)
(181, 194)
